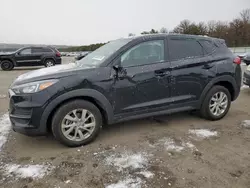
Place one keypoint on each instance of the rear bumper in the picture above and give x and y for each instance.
(58, 61)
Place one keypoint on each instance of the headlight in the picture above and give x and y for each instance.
(33, 87)
(248, 67)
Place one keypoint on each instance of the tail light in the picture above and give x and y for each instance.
(58, 54)
(237, 61)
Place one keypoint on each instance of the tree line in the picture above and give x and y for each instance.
(236, 33)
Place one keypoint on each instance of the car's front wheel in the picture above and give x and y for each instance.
(216, 103)
(7, 65)
(76, 123)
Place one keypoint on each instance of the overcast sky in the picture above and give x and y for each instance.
(78, 22)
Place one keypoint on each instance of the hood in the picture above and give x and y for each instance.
(51, 72)
(6, 53)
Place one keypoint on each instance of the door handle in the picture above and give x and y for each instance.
(207, 66)
(162, 73)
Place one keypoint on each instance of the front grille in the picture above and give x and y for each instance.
(21, 111)
(18, 111)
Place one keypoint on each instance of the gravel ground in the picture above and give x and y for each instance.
(179, 150)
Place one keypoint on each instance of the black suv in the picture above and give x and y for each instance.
(126, 79)
(30, 56)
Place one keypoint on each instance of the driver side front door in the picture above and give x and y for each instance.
(143, 84)
(26, 58)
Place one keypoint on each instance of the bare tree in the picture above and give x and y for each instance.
(163, 30)
(202, 28)
(245, 15)
(131, 34)
(183, 27)
(211, 27)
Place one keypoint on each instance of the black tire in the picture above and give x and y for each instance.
(49, 62)
(246, 62)
(64, 110)
(205, 111)
(7, 65)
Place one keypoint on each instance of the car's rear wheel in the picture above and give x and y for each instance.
(7, 65)
(76, 123)
(49, 63)
(216, 103)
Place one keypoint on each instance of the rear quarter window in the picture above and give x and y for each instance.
(184, 48)
(208, 46)
(47, 50)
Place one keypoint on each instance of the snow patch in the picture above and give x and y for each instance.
(190, 145)
(2, 96)
(127, 183)
(246, 124)
(26, 171)
(127, 160)
(244, 87)
(146, 174)
(4, 129)
(203, 133)
(172, 145)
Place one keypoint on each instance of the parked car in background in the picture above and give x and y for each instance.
(30, 56)
(71, 54)
(81, 55)
(126, 79)
(246, 76)
(241, 55)
(63, 53)
(246, 59)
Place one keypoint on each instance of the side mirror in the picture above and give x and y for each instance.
(117, 68)
(18, 53)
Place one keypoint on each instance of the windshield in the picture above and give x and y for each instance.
(98, 56)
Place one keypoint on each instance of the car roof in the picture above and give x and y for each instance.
(148, 36)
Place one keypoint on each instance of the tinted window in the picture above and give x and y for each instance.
(37, 50)
(207, 46)
(41, 50)
(144, 53)
(184, 48)
(26, 51)
(47, 50)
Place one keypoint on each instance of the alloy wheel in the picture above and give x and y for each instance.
(218, 103)
(5, 65)
(78, 125)
(49, 64)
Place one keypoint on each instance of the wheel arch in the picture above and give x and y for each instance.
(8, 59)
(46, 58)
(93, 96)
(226, 81)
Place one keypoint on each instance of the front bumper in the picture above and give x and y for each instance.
(25, 112)
(246, 78)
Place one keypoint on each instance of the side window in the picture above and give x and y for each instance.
(47, 50)
(184, 48)
(26, 51)
(37, 50)
(144, 53)
(207, 46)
